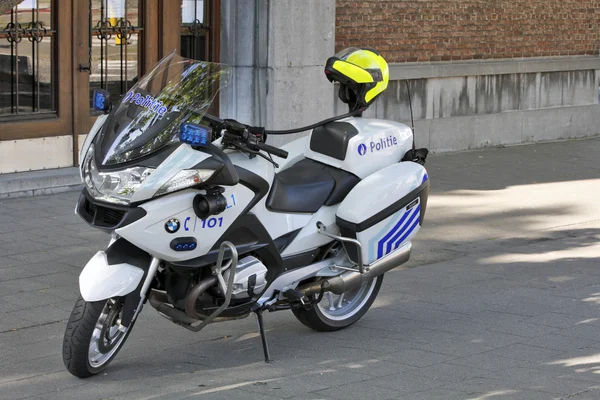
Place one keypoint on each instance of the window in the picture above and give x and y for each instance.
(195, 30)
(115, 49)
(28, 42)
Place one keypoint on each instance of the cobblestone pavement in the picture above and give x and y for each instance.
(505, 303)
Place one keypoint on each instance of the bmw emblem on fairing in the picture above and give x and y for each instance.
(362, 149)
(172, 225)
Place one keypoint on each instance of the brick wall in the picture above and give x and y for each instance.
(442, 30)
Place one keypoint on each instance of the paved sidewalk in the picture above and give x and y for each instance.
(505, 303)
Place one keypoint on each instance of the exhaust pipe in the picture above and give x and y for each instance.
(158, 300)
(191, 319)
(195, 293)
(350, 280)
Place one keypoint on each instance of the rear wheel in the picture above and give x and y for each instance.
(93, 338)
(335, 312)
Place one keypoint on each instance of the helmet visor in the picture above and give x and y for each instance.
(361, 58)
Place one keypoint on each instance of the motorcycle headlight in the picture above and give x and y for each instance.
(114, 187)
(185, 179)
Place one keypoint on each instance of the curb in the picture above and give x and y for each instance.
(39, 183)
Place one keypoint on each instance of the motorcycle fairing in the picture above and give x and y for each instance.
(150, 234)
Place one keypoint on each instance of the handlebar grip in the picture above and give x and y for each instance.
(232, 126)
(272, 150)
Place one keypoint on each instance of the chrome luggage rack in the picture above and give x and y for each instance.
(343, 240)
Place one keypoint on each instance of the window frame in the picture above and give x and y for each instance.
(210, 29)
(27, 126)
(83, 117)
(141, 49)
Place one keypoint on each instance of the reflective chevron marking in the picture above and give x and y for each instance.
(404, 225)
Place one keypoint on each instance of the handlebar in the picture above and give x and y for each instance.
(272, 150)
(251, 138)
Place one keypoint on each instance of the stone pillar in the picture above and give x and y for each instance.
(239, 40)
(278, 49)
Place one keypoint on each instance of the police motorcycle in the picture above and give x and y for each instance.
(209, 223)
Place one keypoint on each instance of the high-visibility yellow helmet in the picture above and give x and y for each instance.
(362, 73)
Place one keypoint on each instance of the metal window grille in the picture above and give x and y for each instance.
(28, 43)
(195, 29)
(115, 30)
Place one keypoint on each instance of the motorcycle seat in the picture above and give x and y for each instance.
(307, 186)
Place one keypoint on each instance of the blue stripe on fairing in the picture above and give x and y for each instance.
(406, 233)
(390, 234)
(388, 227)
(389, 246)
(414, 214)
(425, 177)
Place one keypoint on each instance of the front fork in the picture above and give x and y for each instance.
(135, 300)
(123, 271)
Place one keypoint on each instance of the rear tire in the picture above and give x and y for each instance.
(92, 326)
(323, 318)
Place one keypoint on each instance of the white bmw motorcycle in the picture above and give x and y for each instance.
(211, 224)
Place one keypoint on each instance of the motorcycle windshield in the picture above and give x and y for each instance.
(149, 117)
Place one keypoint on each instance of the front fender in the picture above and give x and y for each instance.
(101, 281)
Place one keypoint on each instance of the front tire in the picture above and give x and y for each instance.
(92, 338)
(338, 312)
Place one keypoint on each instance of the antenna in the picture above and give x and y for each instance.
(412, 119)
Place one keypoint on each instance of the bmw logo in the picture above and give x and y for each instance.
(362, 149)
(172, 225)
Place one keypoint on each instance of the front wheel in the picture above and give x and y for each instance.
(335, 312)
(93, 338)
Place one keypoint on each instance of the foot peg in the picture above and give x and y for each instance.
(295, 295)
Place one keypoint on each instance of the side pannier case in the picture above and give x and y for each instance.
(384, 211)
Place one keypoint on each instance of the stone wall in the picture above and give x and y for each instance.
(468, 105)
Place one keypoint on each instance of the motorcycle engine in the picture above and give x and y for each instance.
(250, 278)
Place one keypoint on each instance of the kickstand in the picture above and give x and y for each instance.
(263, 336)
